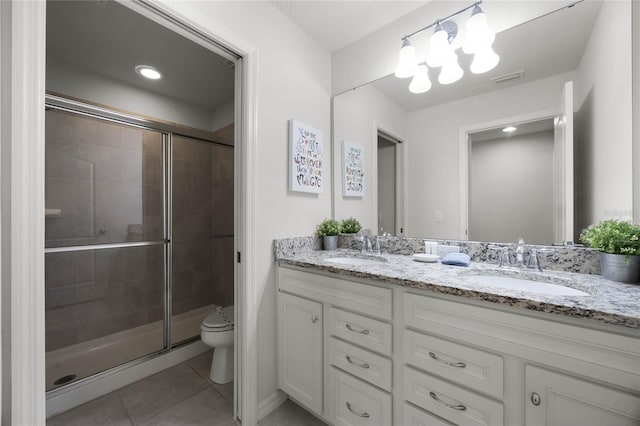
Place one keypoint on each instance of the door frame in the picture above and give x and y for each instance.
(400, 174)
(23, 350)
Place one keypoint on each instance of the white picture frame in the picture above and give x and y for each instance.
(305, 158)
(352, 169)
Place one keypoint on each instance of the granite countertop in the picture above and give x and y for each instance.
(608, 301)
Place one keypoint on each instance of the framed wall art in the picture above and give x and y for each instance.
(305, 158)
(352, 169)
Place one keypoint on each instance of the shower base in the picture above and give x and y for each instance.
(94, 356)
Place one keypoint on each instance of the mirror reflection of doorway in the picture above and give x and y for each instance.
(511, 183)
(387, 184)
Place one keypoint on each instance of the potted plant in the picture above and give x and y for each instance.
(329, 230)
(351, 226)
(619, 244)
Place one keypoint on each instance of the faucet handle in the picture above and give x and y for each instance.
(504, 254)
(534, 260)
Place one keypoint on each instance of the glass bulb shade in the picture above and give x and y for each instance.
(420, 82)
(479, 35)
(451, 71)
(484, 60)
(440, 50)
(407, 65)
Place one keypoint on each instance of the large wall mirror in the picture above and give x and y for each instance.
(446, 141)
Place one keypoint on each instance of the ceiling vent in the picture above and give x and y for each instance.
(507, 77)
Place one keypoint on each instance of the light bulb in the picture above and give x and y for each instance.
(484, 60)
(440, 50)
(479, 35)
(407, 65)
(148, 72)
(451, 71)
(420, 82)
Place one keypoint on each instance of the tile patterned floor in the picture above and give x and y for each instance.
(181, 395)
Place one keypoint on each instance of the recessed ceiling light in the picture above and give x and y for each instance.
(148, 72)
(509, 129)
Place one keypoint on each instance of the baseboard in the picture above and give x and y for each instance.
(273, 401)
(76, 394)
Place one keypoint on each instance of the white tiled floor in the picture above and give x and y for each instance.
(181, 395)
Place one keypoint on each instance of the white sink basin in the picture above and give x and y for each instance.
(529, 286)
(356, 261)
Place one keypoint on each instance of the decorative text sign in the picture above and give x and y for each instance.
(352, 169)
(305, 147)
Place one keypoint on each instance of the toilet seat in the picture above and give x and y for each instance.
(219, 320)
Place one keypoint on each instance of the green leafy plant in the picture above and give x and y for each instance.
(613, 236)
(328, 227)
(351, 226)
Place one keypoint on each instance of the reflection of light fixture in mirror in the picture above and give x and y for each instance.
(440, 50)
(451, 71)
(148, 72)
(479, 35)
(484, 60)
(509, 129)
(407, 65)
(478, 42)
(420, 82)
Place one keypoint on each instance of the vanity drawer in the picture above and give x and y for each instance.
(449, 401)
(366, 365)
(367, 332)
(479, 370)
(362, 298)
(354, 402)
(413, 416)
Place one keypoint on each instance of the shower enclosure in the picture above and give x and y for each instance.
(139, 226)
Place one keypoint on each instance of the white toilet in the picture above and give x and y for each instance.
(217, 331)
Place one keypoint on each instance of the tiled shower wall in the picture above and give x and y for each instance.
(202, 224)
(104, 185)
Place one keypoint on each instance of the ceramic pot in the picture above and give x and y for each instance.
(614, 267)
(330, 242)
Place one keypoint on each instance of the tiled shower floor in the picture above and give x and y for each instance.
(181, 395)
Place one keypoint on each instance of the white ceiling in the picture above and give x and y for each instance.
(336, 24)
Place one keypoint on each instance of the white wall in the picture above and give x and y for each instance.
(603, 101)
(434, 183)
(511, 189)
(294, 81)
(223, 115)
(72, 81)
(359, 114)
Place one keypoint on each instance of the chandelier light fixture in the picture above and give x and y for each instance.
(478, 42)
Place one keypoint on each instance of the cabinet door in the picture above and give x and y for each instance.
(554, 399)
(300, 350)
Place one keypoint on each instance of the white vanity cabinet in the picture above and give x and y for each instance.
(469, 364)
(383, 354)
(300, 350)
(347, 379)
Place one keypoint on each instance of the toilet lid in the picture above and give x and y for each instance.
(221, 317)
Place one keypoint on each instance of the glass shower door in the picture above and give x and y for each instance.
(202, 233)
(105, 251)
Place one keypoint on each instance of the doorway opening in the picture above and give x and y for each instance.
(155, 165)
(389, 194)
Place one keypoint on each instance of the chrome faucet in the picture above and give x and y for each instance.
(369, 246)
(532, 261)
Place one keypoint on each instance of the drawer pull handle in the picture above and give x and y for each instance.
(363, 331)
(458, 407)
(451, 364)
(365, 414)
(314, 319)
(356, 364)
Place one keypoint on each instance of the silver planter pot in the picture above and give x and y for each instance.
(615, 268)
(330, 242)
